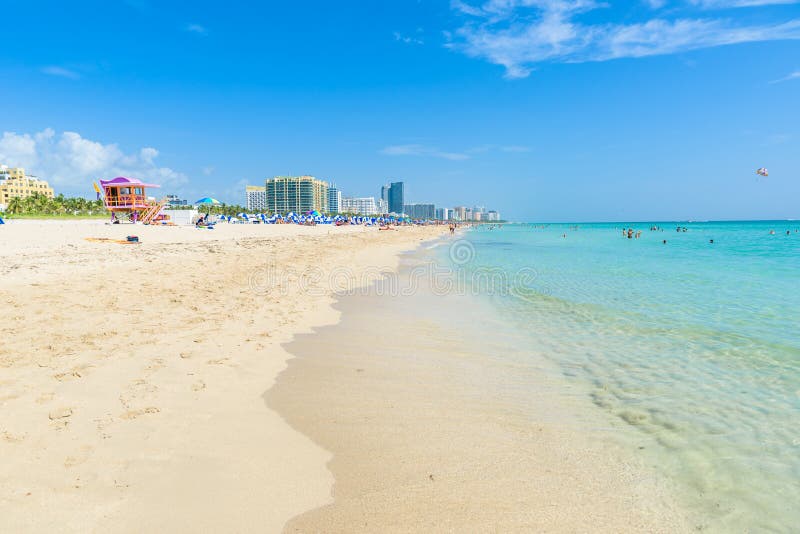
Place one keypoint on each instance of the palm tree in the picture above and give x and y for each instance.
(15, 206)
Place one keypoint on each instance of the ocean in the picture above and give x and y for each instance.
(689, 348)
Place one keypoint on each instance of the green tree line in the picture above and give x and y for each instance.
(39, 204)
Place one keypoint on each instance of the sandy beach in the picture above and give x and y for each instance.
(133, 375)
(137, 395)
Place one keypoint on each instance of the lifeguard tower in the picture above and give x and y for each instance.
(126, 199)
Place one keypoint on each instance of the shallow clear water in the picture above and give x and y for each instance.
(693, 345)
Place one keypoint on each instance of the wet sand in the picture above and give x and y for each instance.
(438, 424)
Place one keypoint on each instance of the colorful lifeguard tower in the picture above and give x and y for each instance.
(126, 199)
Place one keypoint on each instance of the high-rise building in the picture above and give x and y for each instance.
(360, 206)
(442, 214)
(492, 215)
(420, 211)
(396, 197)
(15, 184)
(298, 194)
(383, 206)
(256, 198)
(334, 200)
(385, 194)
(460, 213)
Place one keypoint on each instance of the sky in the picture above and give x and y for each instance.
(545, 110)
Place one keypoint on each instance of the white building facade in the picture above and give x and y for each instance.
(361, 206)
(256, 198)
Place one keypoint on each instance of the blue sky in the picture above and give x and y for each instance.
(542, 109)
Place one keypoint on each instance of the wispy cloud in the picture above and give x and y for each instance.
(730, 4)
(519, 34)
(793, 76)
(422, 150)
(61, 72)
(409, 39)
(196, 28)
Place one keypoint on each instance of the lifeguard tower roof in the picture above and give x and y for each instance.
(121, 181)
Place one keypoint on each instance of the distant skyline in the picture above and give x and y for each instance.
(545, 110)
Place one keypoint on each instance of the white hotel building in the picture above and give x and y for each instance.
(361, 206)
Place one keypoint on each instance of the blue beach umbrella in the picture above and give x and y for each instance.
(207, 201)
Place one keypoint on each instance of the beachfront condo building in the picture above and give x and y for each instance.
(393, 195)
(14, 183)
(255, 198)
(420, 211)
(297, 194)
(460, 213)
(360, 206)
(334, 200)
(443, 214)
(396, 197)
(385, 195)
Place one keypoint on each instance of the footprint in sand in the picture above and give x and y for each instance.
(74, 373)
(61, 413)
(60, 418)
(8, 437)
(45, 397)
(133, 414)
(198, 386)
(78, 458)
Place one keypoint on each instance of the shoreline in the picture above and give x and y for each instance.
(134, 375)
(424, 436)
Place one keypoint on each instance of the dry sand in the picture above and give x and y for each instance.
(132, 377)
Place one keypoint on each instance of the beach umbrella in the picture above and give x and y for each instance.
(207, 201)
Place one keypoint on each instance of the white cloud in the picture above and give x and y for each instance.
(725, 4)
(408, 39)
(421, 150)
(196, 28)
(793, 76)
(519, 34)
(62, 72)
(71, 163)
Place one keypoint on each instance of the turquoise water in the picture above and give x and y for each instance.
(693, 345)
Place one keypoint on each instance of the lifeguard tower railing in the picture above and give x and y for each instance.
(120, 198)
